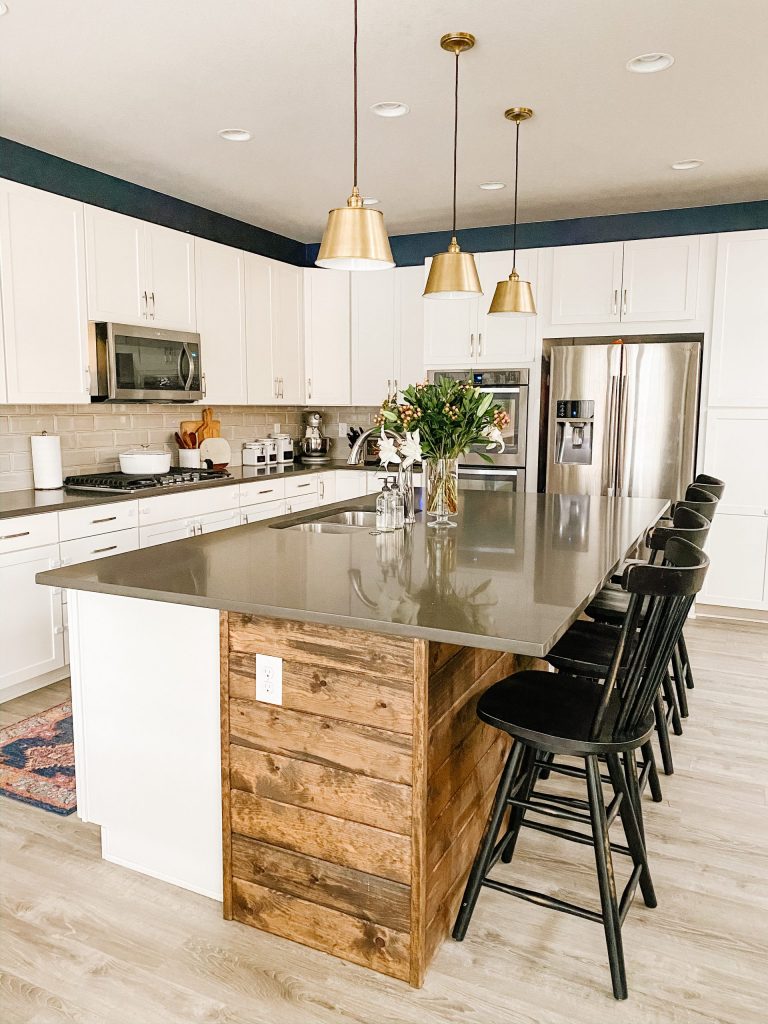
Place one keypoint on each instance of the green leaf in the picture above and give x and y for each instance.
(484, 403)
(389, 415)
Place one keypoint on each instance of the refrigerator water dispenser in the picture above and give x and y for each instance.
(575, 423)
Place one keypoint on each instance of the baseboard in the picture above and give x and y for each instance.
(30, 685)
(719, 611)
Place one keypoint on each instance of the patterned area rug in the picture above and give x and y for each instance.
(37, 761)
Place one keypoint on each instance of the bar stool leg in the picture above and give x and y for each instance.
(654, 783)
(663, 734)
(632, 821)
(680, 687)
(683, 649)
(483, 858)
(671, 699)
(604, 865)
(518, 813)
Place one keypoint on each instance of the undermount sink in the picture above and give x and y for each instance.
(340, 521)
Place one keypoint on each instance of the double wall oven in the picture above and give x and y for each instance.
(510, 390)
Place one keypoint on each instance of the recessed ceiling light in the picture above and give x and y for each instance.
(235, 134)
(370, 201)
(687, 165)
(647, 63)
(390, 108)
(492, 186)
(3, 9)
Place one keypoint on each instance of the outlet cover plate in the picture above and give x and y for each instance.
(343, 428)
(269, 679)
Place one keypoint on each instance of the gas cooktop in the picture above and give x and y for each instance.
(125, 482)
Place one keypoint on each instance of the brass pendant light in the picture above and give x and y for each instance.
(453, 274)
(355, 237)
(514, 297)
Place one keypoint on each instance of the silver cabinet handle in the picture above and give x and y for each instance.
(265, 490)
(106, 519)
(480, 344)
(472, 345)
(302, 485)
(321, 488)
(87, 372)
(309, 387)
(282, 389)
(145, 304)
(204, 385)
(12, 536)
(274, 386)
(394, 390)
(97, 551)
(389, 389)
(624, 304)
(615, 306)
(152, 296)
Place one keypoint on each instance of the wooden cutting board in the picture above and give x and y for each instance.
(212, 427)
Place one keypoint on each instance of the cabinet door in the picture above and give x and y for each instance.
(326, 488)
(115, 250)
(586, 283)
(450, 330)
(262, 376)
(735, 450)
(301, 504)
(409, 325)
(219, 294)
(265, 510)
(660, 279)
(164, 533)
(350, 484)
(327, 337)
(287, 332)
(31, 626)
(737, 546)
(216, 521)
(42, 262)
(170, 257)
(739, 364)
(505, 340)
(373, 337)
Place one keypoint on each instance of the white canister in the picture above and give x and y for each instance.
(270, 450)
(189, 458)
(284, 442)
(46, 462)
(254, 453)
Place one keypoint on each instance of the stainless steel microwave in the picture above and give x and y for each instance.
(144, 364)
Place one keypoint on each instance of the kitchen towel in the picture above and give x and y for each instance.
(46, 462)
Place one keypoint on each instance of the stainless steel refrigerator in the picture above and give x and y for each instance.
(623, 418)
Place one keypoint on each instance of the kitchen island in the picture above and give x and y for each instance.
(351, 796)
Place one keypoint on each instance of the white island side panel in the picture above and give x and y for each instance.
(145, 704)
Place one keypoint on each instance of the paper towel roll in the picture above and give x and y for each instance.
(46, 462)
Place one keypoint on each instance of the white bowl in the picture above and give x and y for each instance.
(140, 461)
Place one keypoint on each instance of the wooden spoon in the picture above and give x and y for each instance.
(180, 440)
(190, 441)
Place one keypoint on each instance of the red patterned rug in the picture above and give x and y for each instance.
(37, 761)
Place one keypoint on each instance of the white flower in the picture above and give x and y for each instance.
(387, 450)
(496, 438)
(410, 449)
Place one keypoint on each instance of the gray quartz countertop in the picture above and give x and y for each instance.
(29, 502)
(513, 575)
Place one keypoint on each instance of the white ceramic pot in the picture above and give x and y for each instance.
(145, 460)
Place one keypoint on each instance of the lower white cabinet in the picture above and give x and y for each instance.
(738, 549)
(264, 510)
(326, 488)
(164, 533)
(215, 521)
(300, 504)
(350, 484)
(86, 549)
(31, 626)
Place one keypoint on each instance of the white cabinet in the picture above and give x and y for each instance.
(31, 626)
(739, 361)
(164, 533)
(301, 504)
(86, 549)
(215, 521)
(459, 332)
(737, 546)
(273, 331)
(374, 354)
(350, 484)
(409, 324)
(139, 272)
(164, 508)
(327, 337)
(326, 488)
(97, 519)
(220, 298)
(264, 510)
(42, 271)
(269, 488)
(653, 280)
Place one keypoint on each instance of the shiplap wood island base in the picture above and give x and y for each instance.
(350, 813)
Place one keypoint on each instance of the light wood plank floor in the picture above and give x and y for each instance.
(90, 942)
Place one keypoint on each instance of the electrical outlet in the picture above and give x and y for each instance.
(343, 428)
(269, 679)
(275, 428)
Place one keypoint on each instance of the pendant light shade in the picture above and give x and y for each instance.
(514, 297)
(355, 237)
(453, 274)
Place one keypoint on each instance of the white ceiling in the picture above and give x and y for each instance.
(139, 89)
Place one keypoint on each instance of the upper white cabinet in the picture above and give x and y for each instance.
(739, 360)
(374, 342)
(220, 298)
(42, 266)
(274, 336)
(651, 280)
(327, 337)
(459, 332)
(409, 324)
(139, 272)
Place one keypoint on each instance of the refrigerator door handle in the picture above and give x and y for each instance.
(610, 449)
(621, 431)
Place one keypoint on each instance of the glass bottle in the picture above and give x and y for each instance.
(385, 519)
(398, 503)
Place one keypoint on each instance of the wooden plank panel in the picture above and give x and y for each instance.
(321, 835)
(366, 654)
(226, 824)
(344, 794)
(352, 892)
(419, 836)
(371, 945)
(440, 654)
(451, 773)
(359, 748)
(330, 690)
(449, 684)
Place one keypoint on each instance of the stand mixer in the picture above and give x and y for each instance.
(314, 446)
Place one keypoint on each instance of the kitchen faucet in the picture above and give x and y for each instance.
(404, 476)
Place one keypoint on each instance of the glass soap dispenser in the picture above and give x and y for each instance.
(385, 509)
(399, 505)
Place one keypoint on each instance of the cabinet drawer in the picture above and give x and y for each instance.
(262, 490)
(296, 487)
(264, 510)
(22, 532)
(165, 507)
(85, 549)
(301, 504)
(90, 522)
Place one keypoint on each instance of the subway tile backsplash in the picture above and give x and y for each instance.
(92, 437)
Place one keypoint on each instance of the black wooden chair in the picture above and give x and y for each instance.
(711, 484)
(570, 715)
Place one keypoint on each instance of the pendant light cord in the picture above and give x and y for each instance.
(455, 138)
(354, 76)
(514, 227)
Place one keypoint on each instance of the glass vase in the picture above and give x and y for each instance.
(442, 490)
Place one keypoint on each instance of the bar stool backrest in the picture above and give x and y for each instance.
(699, 500)
(660, 599)
(711, 484)
(686, 524)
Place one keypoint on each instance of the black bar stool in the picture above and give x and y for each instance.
(711, 484)
(562, 714)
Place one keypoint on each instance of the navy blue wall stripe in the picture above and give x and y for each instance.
(409, 250)
(42, 170)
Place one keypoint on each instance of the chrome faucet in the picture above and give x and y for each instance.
(404, 476)
(355, 455)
